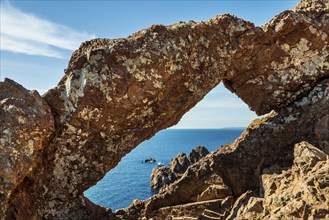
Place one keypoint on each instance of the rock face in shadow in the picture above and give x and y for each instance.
(161, 177)
(197, 153)
(180, 163)
(117, 93)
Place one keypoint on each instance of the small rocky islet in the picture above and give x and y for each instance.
(117, 93)
(149, 160)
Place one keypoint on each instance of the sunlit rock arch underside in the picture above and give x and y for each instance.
(117, 93)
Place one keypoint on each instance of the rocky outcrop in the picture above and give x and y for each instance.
(161, 177)
(149, 160)
(164, 176)
(197, 153)
(26, 124)
(180, 163)
(301, 192)
(243, 172)
(117, 93)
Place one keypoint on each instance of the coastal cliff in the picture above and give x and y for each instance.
(270, 171)
(117, 93)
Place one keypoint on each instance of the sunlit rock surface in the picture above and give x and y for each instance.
(246, 169)
(26, 124)
(117, 93)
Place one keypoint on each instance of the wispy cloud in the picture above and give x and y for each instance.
(26, 33)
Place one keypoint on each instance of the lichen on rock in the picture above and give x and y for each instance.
(249, 168)
(117, 93)
(26, 124)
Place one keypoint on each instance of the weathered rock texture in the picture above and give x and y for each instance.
(161, 177)
(197, 153)
(301, 192)
(117, 93)
(164, 176)
(26, 124)
(238, 172)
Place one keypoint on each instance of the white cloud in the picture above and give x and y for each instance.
(28, 47)
(26, 33)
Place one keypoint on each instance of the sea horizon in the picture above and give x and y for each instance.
(221, 128)
(130, 179)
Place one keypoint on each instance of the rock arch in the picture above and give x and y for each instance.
(117, 93)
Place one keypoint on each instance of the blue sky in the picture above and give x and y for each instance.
(38, 37)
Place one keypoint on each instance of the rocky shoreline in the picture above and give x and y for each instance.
(296, 192)
(246, 181)
(164, 176)
(117, 93)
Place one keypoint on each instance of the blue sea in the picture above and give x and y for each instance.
(130, 179)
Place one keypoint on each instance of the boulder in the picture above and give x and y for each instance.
(306, 156)
(161, 177)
